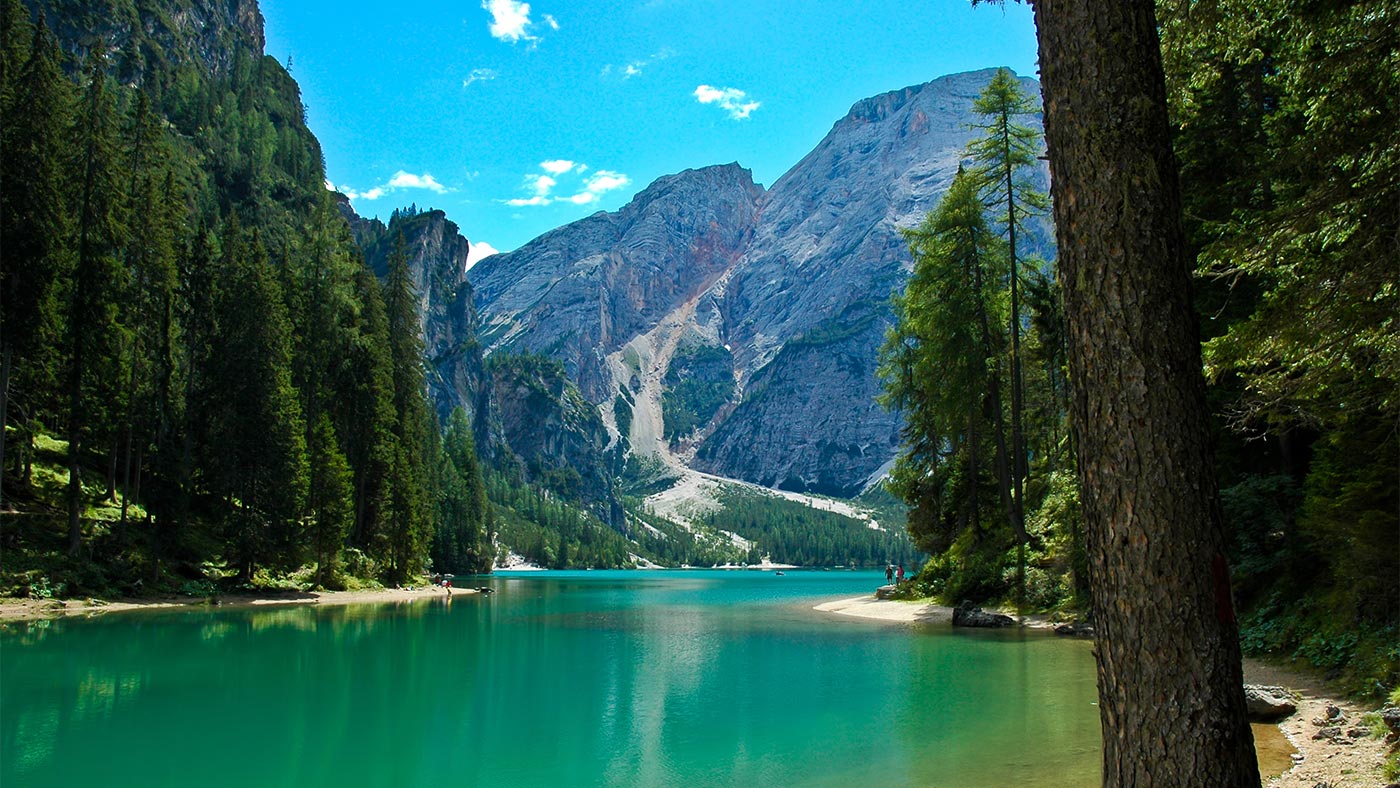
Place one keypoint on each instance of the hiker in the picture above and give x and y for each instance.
(889, 573)
(899, 576)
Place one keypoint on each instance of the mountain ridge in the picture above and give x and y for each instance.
(784, 296)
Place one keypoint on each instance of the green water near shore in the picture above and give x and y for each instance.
(695, 678)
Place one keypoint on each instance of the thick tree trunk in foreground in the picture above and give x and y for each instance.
(1168, 648)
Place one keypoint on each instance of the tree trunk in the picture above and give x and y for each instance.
(4, 415)
(1168, 654)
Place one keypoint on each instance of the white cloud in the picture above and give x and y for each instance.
(407, 180)
(632, 69)
(541, 184)
(731, 100)
(479, 251)
(510, 21)
(479, 75)
(401, 180)
(606, 181)
(587, 189)
(330, 187)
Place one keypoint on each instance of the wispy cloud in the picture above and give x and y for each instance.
(731, 100)
(479, 75)
(510, 21)
(586, 189)
(635, 67)
(401, 180)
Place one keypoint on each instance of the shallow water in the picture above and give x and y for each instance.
(692, 678)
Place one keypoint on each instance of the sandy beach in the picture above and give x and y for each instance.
(15, 609)
(1341, 762)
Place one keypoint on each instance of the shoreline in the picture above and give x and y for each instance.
(1340, 762)
(17, 609)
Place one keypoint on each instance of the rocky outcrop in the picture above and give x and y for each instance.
(808, 305)
(552, 435)
(1268, 704)
(966, 615)
(437, 260)
(209, 33)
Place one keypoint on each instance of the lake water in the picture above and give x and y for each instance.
(677, 678)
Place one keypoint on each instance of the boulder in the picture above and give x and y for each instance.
(965, 615)
(886, 592)
(1268, 704)
(1075, 629)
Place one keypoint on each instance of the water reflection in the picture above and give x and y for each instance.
(594, 679)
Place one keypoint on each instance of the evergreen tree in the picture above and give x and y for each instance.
(257, 440)
(367, 417)
(1003, 158)
(329, 500)
(941, 365)
(36, 102)
(411, 517)
(91, 319)
(462, 536)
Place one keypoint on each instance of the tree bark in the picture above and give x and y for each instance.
(1168, 654)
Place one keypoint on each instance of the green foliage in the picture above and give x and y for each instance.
(699, 381)
(1288, 150)
(789, 532)
(463, 533)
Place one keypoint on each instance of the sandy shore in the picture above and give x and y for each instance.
(1344, 762)
(14, 609)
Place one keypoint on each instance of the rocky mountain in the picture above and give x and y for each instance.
(158, 38)
(529, 416)
(437, 256)
(735, 329)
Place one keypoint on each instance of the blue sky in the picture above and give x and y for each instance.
(516, 118)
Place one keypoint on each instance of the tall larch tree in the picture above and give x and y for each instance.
(1003, 157)
(1168, 653)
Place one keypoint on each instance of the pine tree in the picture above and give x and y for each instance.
(257, 441)
(91, 320)
(34, 223)
(409, 486)
(329, 503)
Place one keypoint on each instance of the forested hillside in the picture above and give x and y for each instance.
(203, 381)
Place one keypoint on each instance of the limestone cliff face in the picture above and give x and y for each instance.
(583, 291)
(808, 305)
(527, 414)
(437, 258)
(786, 291)
(205, 33)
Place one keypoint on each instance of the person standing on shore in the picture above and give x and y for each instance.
(889, 573)
(899, 576)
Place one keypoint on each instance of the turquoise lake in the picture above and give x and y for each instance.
(675, 678)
